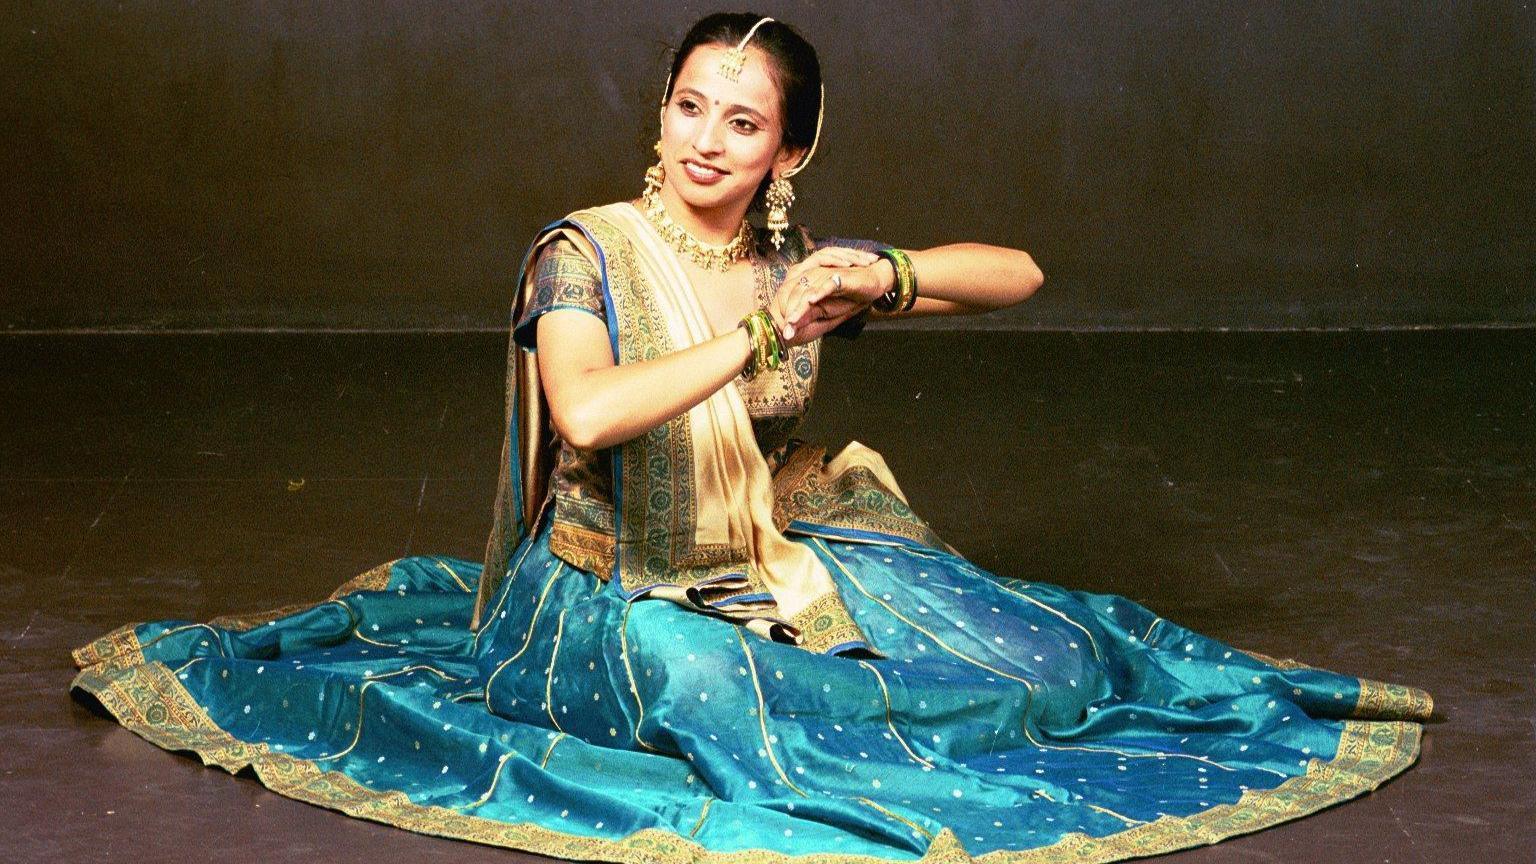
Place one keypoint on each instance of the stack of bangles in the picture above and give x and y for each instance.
(767, 344)
(903, 294)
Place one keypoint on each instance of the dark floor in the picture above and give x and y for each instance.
(1365, 502)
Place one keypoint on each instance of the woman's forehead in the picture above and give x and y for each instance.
(754, 88)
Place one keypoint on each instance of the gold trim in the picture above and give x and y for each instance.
(513, 573)
(549, 676)
(886, 694)
(550, 750)
(893, 815)
(527, 637)
(1379, 700)
(501, 762)
(450, 572)
(358, 735)
(1028, 686)
(824, 624)
(703, 813)
(629, 672)
(1092, 643)
(148, 700)
(419, 667)
(762, 716)
(1277, 662)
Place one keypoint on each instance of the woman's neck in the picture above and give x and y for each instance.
(716, 226)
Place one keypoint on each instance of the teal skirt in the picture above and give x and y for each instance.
(1006, 717)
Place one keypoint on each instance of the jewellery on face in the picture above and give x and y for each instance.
(780, 195)
(903, 295)
(731, 62)
(779, 198)
(710, 256)
(767, 345)
(656, 174)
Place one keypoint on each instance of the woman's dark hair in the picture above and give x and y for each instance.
(794, 68)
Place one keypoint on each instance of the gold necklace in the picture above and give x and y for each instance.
(710, 256)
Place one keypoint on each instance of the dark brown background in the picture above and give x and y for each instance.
(383, 164)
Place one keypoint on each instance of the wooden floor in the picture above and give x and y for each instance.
(1360, 501)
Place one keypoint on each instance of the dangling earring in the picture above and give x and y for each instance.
(779, 198)
(656, 174)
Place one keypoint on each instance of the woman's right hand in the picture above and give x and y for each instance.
(804, 282)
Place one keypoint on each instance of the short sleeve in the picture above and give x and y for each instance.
(563, 279)
(851, 328)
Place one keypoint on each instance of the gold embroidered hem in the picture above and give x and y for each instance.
(853, 493)
(589, 549)
(148, 700)
(1380, 700)
(825, 624)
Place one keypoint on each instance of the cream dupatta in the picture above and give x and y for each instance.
(733, 482)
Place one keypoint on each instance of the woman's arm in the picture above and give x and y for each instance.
(965, 279)
(594, 403)
(956, 279)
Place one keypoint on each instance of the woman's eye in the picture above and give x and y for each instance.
(745, 125)
(687, 105)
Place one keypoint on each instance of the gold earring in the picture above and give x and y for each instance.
(779, 198)
(656, 174)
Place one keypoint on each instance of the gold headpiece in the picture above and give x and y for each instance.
(730, 64)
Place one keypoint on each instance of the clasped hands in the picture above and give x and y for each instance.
(826, 288)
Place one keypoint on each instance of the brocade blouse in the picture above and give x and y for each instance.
(776, 400)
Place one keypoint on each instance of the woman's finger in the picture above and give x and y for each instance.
(799, 300)
(829, 256)
(781, 322)
(843, 256)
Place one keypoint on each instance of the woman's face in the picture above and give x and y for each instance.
(719, 137)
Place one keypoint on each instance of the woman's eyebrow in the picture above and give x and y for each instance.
(743, 108)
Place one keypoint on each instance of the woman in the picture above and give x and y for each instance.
(824, 675)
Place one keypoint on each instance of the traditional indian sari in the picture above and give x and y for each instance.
(717, 643)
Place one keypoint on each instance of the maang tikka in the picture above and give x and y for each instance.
(780, 194)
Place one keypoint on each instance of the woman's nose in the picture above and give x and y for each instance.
(708, 139)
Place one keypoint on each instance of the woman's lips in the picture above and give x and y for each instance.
(700, 174)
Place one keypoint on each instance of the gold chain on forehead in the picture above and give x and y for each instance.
(731, 63)
(730, 69)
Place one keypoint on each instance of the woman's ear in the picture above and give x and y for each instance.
(788, 158)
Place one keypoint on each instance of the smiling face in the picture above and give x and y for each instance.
(720, 137)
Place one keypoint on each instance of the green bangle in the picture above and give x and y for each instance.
(749, 371)
(767, 347)
(775, 341)
(903, 295)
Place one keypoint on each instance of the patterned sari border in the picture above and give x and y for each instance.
(148, 700)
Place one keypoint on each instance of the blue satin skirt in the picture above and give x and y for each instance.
(1007, 717)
